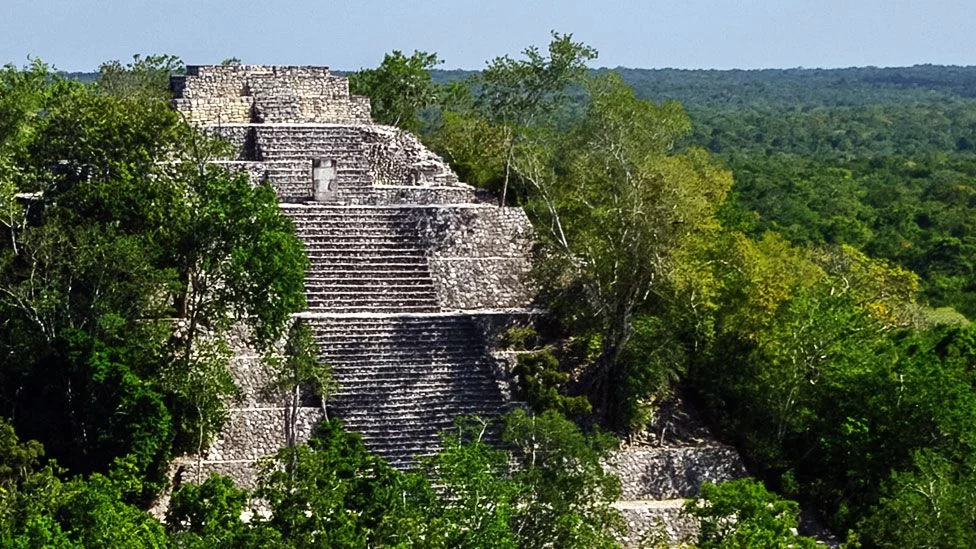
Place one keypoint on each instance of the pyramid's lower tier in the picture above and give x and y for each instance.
(403, 379)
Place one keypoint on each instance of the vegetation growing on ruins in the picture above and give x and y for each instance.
(815, 308)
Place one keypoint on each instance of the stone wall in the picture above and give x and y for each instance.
(656, 524)
(398, 158)
(479, 256)
(673, 472)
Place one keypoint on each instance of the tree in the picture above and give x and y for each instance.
(399, 88)
(742, 513)
(300, 367)
(330, 492)
(120, 280)
(567, 497)
(931, 506)
(613, 203)
(209, 515)
(145, 76)
(519, 95)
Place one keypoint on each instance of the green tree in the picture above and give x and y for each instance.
(934, 505)
(567, 496)
(209, 515)
(613, 204)
(331, 492)
(522, 95)
(120, 280)
(742, 513)
(399, 88)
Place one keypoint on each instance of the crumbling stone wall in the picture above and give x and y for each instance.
(479, 256)
(398, 158)
(658, 473)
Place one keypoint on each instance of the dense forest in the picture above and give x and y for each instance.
(792, 251)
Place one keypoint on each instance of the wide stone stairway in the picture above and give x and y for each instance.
(406, 369)
(363, 260)
(404, 378)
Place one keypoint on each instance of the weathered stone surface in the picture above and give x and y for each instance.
(217, 95)
(673, 472)
(653, 523)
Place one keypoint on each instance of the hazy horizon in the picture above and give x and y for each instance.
(76, 36)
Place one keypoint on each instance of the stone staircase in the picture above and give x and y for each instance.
(406, 370)
(405, 378)
(363, 260)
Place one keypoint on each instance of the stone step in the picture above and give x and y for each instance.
(354, 278)
(317, 283)
(325, 307)
(325, 246)
(377, 236)
(353, 269)
(442, 338)
(354, 385)
(392, 407)
(405, 287)
(350, 302)
(368, 293)
(393, 342)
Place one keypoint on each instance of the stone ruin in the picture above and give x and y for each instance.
(413, 278)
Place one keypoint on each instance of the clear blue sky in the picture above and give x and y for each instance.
(77, 35)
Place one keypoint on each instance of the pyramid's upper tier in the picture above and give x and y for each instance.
(214, 95)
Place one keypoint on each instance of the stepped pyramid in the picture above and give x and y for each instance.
(412, 276)
(413, 280)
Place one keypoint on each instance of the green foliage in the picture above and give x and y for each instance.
(302, 364)
(613, 202)
(540, 380)
(742, 513)
(933, 505)
(144, 77)
(551, 491)
(398, 89)
(331, 492)
(37, 509)
(129, 231)
(569, 493)
(827, 401)
(209, 515)
(652, 363)
(517, 92)
(17, 459)
(479, 497)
